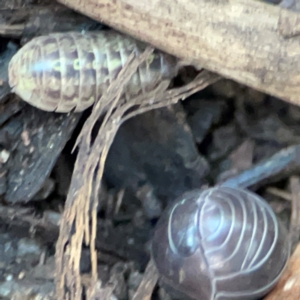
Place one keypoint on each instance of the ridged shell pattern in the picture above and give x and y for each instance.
(220, 243)
(69, 71)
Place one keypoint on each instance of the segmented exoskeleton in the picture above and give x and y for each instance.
(69, 71)
(220, 243)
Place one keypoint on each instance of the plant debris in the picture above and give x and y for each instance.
(81, 203)
(81, 193)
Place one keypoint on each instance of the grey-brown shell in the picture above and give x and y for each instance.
(221, 243)
(69, 71)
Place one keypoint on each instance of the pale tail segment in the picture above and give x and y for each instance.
(66, 72)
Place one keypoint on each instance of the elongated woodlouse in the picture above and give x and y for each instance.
(66, 72)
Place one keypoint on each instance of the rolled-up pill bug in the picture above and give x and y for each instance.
(69, 71)
(219, 244)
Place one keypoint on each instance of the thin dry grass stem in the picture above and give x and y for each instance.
(287, 196)
(79, 220)
(78, 211)
(169, 97)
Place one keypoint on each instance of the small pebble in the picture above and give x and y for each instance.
(9, 277)
(21, 275)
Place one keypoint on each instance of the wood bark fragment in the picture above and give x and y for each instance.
(148, 283)
(29, 22)
(294, 230)
(251, 42)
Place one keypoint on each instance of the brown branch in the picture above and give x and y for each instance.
(251, 42)
(28, 22)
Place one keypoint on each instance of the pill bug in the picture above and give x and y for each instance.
(69, 71)
(220, 243)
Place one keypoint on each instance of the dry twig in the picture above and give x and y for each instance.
(79, 218)
(251, 42)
